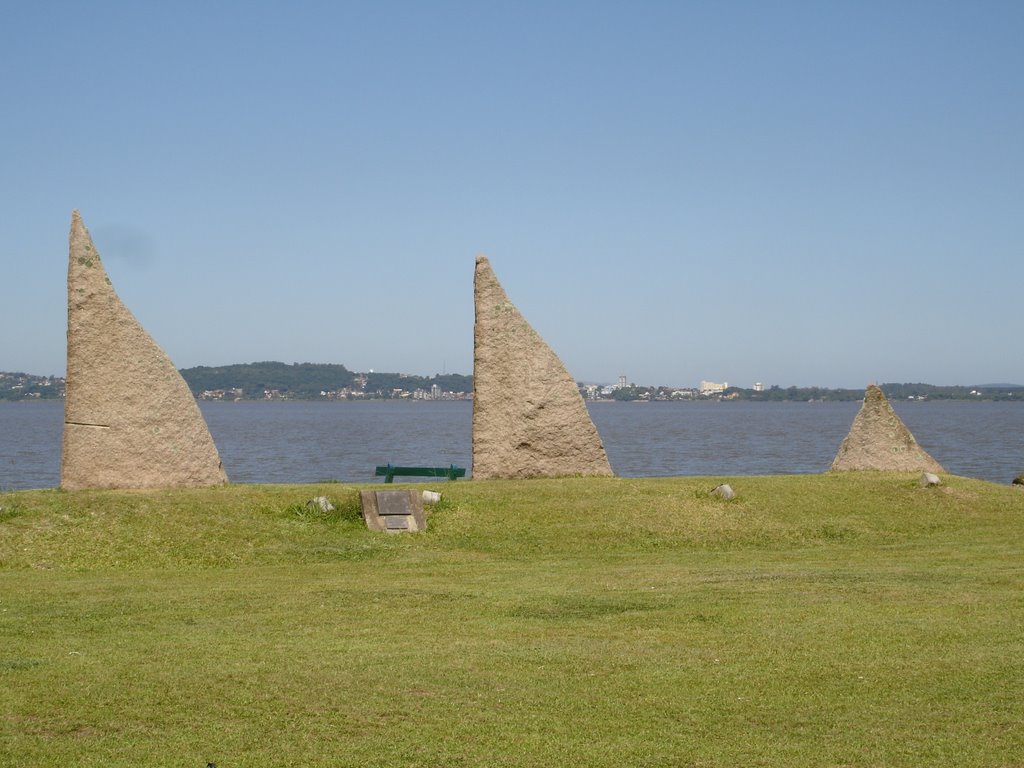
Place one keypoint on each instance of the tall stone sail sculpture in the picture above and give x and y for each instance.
(130, 420)
(528, 417)
(879, 439)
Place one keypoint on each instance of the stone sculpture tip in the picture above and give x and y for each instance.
(482, 261)
(81, 250)
(76, 221)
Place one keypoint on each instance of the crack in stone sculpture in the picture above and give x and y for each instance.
(529, 419)
(879, 440)
(130, 420)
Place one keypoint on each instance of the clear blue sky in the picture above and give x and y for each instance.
(809, 193)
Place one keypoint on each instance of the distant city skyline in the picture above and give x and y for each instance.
(797, 194)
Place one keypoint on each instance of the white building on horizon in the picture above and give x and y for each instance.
(713, 387)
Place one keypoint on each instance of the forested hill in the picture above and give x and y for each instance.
(302, 381)
(893, 391)
(1004, 392)
(27, 386)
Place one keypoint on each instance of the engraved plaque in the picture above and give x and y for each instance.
(393, 503)
(393, 511)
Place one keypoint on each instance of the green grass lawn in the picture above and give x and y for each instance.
(827, 620)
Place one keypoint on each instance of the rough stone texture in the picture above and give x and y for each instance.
(724, 491)
(929, 479)
(130, 420)
(321, 503)
(528, 417)
(879, 440)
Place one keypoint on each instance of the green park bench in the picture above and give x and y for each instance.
(450, 472)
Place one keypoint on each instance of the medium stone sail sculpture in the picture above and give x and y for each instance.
(130, 420)
(879, 439)
(528, 417)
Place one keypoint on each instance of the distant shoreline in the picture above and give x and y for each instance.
(381, 401)
(307, 382)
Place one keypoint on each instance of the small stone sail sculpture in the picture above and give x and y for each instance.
(130, 420)
(879, 439)
(529, 419)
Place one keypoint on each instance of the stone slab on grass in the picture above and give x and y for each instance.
(393, 511)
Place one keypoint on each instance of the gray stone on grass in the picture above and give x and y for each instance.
(879, 440)
(130, 420)
(929, 479)
(322, 503)
(723, 491)
(528, 417)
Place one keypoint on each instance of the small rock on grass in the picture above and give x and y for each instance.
(723, 491)
(322, 503)
(929, 479)
(431, 497)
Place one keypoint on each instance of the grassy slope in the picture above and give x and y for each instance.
(815, 620)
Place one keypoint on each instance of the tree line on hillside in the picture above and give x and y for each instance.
(389, 382)
(822, 394)
(27, 386)
(773, 394)
(256, 378)
(801, 394)
(304, 381)
(932, 392)
(301, 381)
